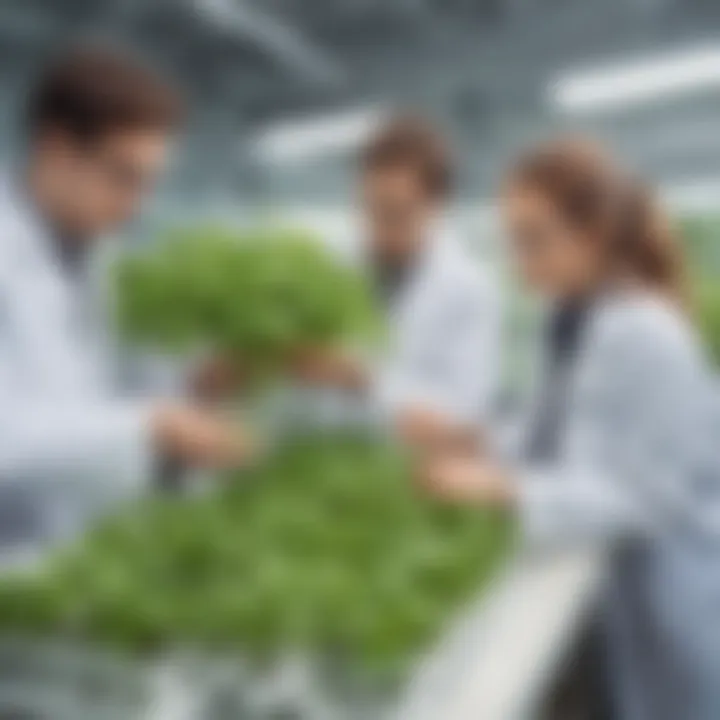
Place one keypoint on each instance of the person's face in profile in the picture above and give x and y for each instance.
(552, 257)
(397, 210)
(107, 177)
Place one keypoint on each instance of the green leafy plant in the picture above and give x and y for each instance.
(701, 238)
(327, 548)
(707, 312)
(255, 295)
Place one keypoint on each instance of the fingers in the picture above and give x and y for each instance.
(433, 475)
(429, 431)
(311, 364)
(441, 477)
(217, 443)
(329, 366)
(197, 437)
(462, 479)
(217, 379)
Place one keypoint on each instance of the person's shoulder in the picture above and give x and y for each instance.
(645, 322)
(470, 276)
(641, 312)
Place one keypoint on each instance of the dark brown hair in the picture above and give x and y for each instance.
(91, 91)
(408, 141)
(595, 196)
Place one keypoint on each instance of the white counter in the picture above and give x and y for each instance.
(503, 655)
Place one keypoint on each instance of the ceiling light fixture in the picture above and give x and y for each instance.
(306, 137)
(635, 82)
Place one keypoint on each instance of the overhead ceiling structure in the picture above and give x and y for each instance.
(286, 44)
(496, 73)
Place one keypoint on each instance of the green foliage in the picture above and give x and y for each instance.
(254, 294)
(707, 313)
(326, 548)
(701, 238)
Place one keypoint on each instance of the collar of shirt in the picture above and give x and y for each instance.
(392, 278)
(70, 252)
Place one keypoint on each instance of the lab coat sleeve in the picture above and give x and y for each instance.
(74, 442)
(46, 439)
(625, 465)
(452, 366)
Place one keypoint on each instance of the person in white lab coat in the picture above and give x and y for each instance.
(97, 131)
(620, 443)
(438, 375)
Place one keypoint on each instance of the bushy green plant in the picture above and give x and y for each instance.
(701, 239)
(254, 294)
(326, 549)
(707, 313)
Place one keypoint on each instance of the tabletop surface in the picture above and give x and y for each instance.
(503, 653)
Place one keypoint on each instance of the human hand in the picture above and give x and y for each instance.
(426, 428)
(217, 378)
(327, 366)
(463, 479)
(200, 438)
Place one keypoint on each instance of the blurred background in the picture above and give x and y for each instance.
(282, 90)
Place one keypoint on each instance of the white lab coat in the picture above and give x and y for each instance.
(68, 439)
(444, 338)
(638, 469)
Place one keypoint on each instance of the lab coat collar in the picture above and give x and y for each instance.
(437, 242)
(40, 242)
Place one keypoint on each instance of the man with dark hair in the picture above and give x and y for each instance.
(439, 376)
(98, 127)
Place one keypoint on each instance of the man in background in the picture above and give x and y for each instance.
(97, 132)
(438, 377)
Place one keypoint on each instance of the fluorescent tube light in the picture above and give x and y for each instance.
(303, 138)
(632, 83)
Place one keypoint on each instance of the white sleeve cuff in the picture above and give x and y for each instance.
(132, 431)
(105, 444)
